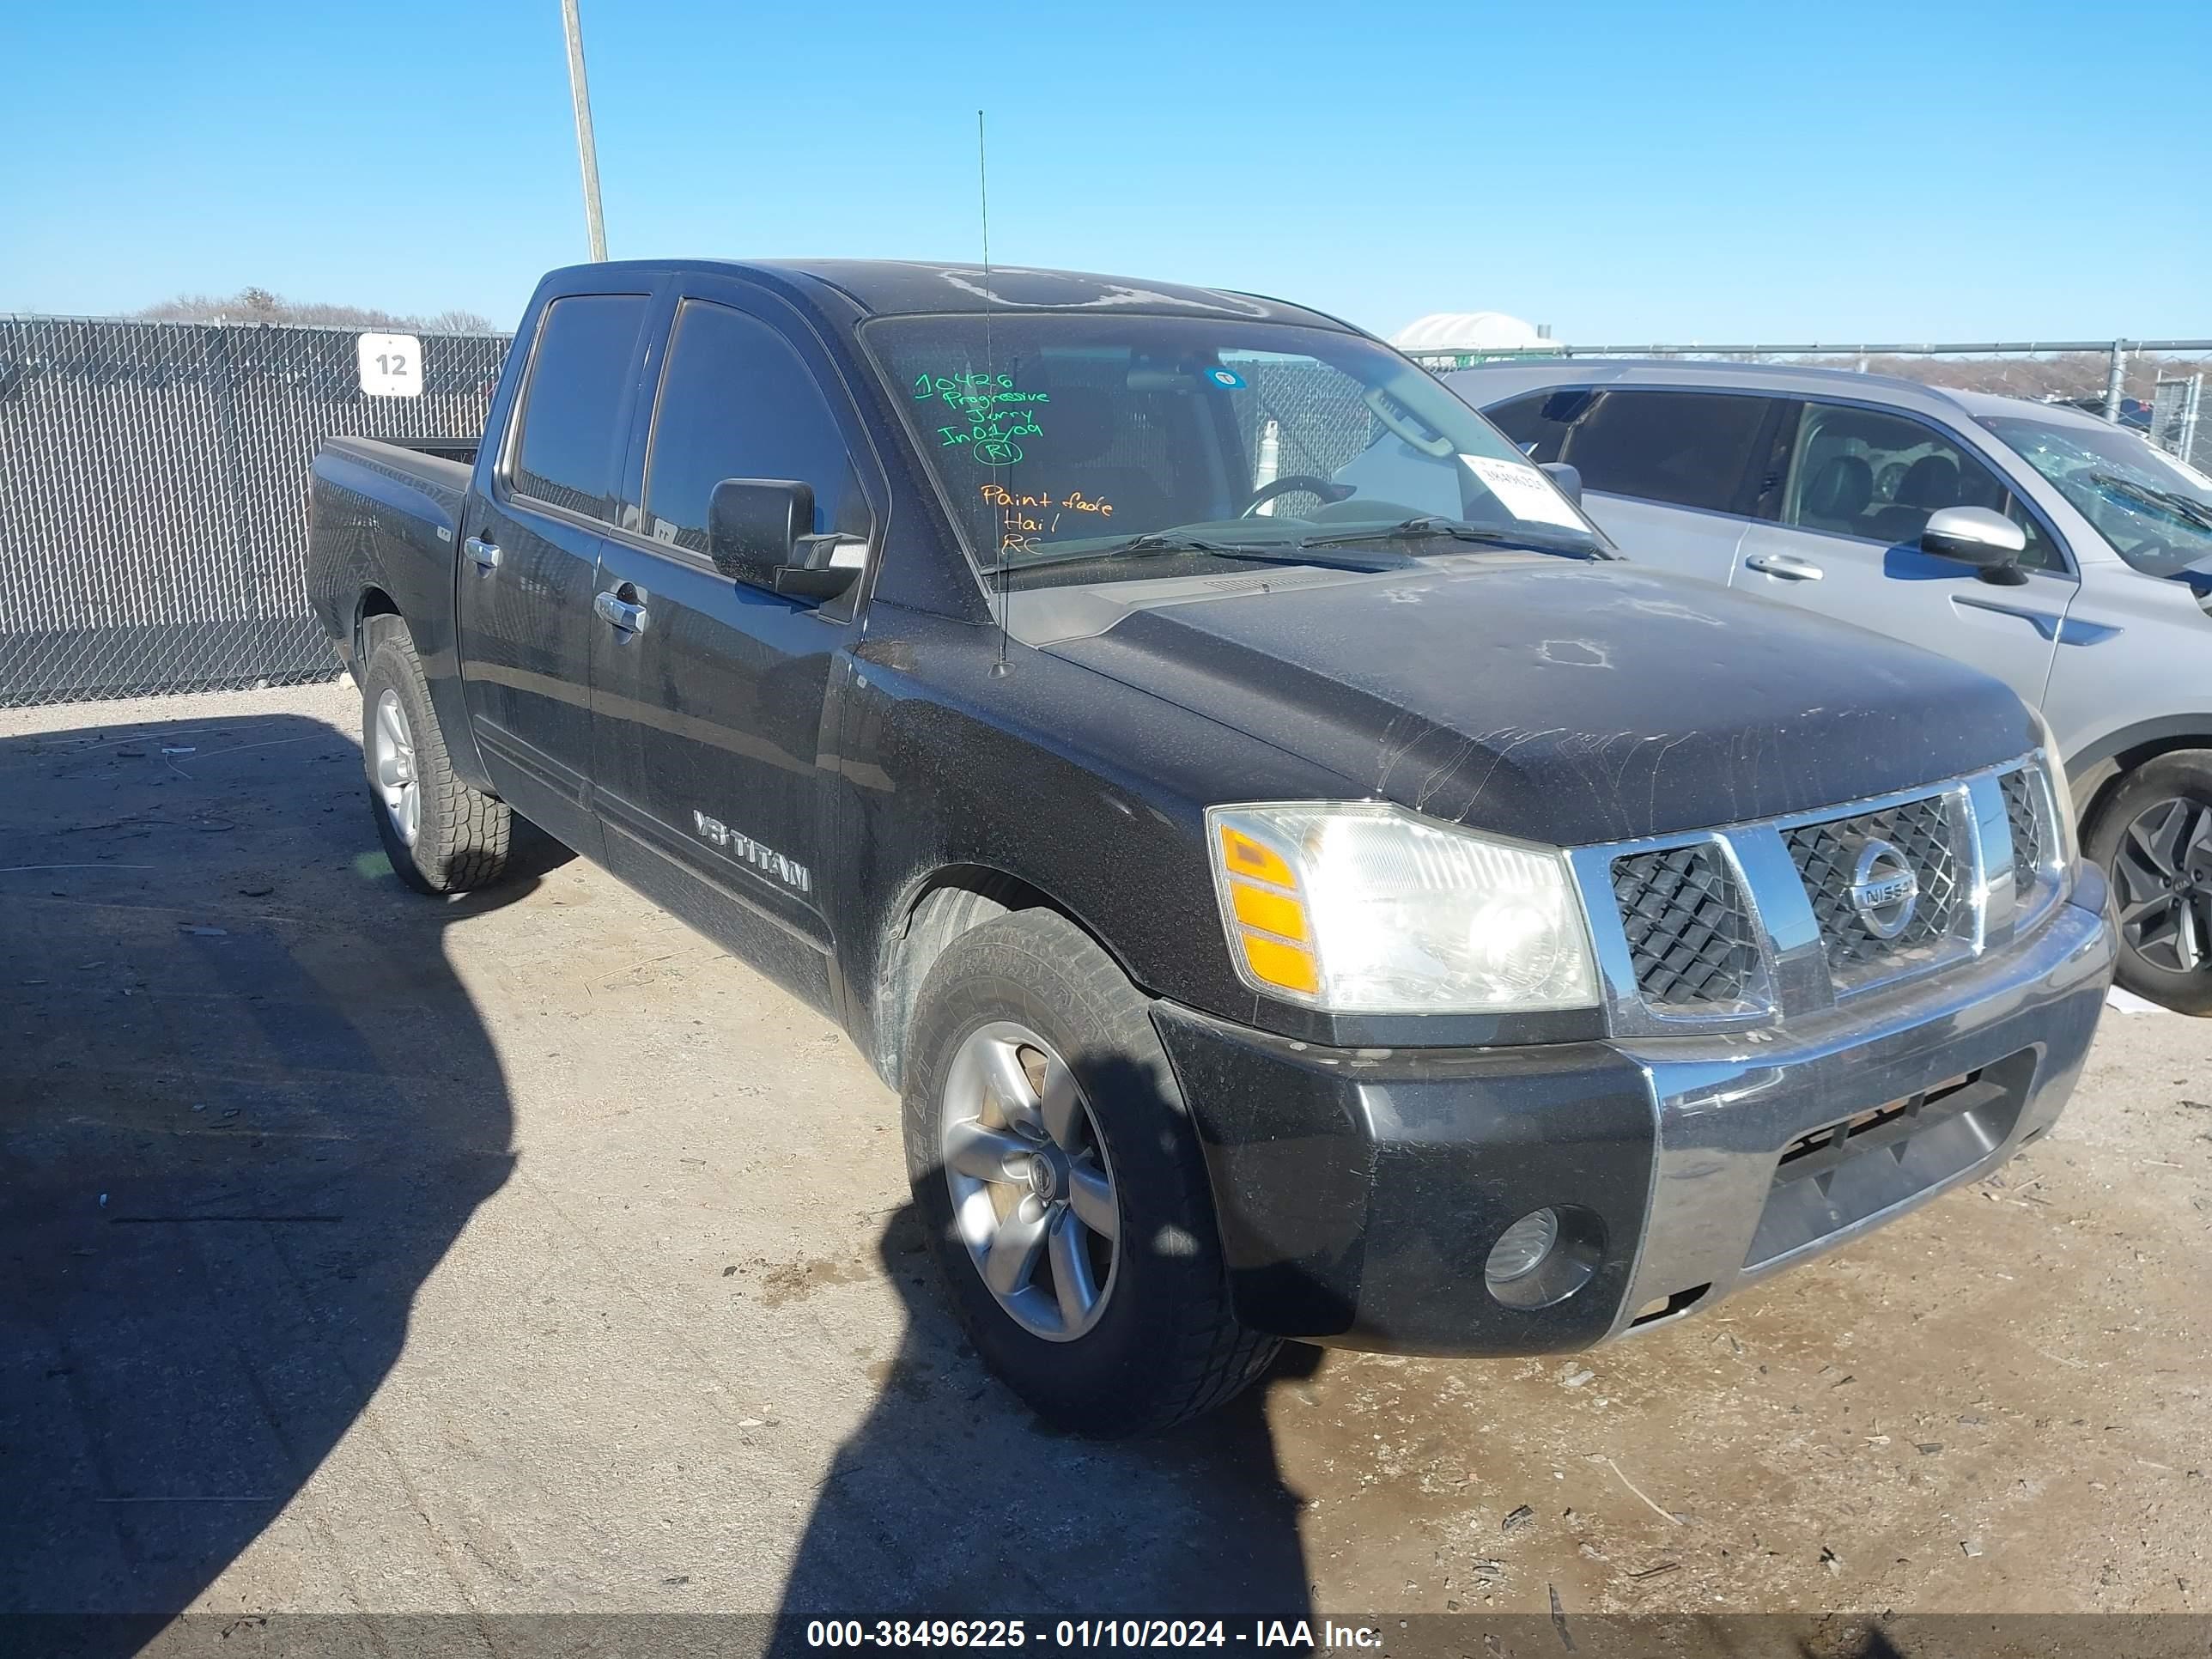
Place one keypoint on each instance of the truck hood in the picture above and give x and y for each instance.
(1557, 702)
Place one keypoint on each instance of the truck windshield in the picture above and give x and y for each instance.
(1095, 443)
(2155, 510)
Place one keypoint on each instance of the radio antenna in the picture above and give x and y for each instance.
(1001, 667)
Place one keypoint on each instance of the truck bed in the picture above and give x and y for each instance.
(386, 518)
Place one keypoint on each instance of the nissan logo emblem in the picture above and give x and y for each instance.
(1884, 889)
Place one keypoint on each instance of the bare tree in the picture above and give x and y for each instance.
(259, 305)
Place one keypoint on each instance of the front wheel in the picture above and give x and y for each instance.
(1056, 1170)
(2153, 839)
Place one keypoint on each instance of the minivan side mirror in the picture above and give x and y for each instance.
(1978, 536)
(760, 532)
(1568, 476)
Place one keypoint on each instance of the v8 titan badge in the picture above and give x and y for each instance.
(390, 365)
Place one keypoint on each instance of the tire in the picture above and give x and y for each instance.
(1163, 1342)
(2156, 824)
(460, 836)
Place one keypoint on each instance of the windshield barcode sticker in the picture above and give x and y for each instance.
(1523, 492)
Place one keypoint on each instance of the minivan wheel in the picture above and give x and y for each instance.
(440, 835)
(2152, 837)
(1060, 1181)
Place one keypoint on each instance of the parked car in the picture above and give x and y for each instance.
(2070, 558)
(1301, 885)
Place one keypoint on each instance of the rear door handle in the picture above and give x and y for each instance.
(483, 552)
(631, 618)
(1788, 566)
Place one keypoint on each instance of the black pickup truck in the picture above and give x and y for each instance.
(1301, 881)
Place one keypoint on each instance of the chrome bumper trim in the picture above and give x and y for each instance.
(1724, 1107)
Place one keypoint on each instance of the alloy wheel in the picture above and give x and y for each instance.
(398, 785)
(2163, 873)
(1033, 1196)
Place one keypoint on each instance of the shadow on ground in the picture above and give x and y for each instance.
(246, 1109)
(950, 1501)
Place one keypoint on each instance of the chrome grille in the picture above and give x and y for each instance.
(1689, 934)
(2026, 823)
(1924, 831)
(1753, 921)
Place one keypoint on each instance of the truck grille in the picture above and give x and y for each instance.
(1756, 920)
(1689, 935)
(2027, 829)
(1925, 832)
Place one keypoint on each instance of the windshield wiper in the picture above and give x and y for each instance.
(1170, 541)
(1433, 526)
(2186, 506)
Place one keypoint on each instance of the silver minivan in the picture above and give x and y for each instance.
(2068, 557)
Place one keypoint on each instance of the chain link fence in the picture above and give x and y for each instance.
(153, 494)
(153, 476)
(2156, 387)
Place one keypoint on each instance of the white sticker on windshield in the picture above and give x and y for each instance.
(1525, 492)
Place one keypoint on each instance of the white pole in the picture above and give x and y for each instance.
(1270, 463)
(580, 93)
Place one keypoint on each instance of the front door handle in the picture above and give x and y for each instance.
(631, 618)
(1788, 566)
(483, 552)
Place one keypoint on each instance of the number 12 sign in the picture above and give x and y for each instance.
(390, 365)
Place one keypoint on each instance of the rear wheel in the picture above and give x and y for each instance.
(2154, 838)
(1058, 1176)
(440, 836)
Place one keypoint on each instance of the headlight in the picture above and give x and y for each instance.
(2061, 795)
(1365, 907)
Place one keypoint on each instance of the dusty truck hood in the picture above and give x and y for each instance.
(1563, 702)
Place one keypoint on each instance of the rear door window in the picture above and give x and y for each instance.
(736, 402)
(1878, 475)
(574, 409)
(1683, 448)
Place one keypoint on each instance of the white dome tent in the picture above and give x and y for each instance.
(1469, 334)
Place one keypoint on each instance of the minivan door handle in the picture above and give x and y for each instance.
(483, 552)
(631, 618)
(1788, 566)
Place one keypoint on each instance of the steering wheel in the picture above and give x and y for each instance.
(1295, 484)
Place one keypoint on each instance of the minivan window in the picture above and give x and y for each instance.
(736, 401)
(1110, 443)
(1879, 475)
(568, 454)
(2155, 510)
(1683, 448)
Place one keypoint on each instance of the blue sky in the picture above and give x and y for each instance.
(1779, 171)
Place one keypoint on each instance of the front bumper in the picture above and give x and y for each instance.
(1360, 1192)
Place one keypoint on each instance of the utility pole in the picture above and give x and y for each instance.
(588, 154)
(2115, 383)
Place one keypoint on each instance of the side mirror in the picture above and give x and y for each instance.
(760, 532)
(1568, 476)
(1988, 540)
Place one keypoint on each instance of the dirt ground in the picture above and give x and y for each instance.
(525, 1253)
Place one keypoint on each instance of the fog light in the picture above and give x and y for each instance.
(1546, 1256)
(1521, 1248)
